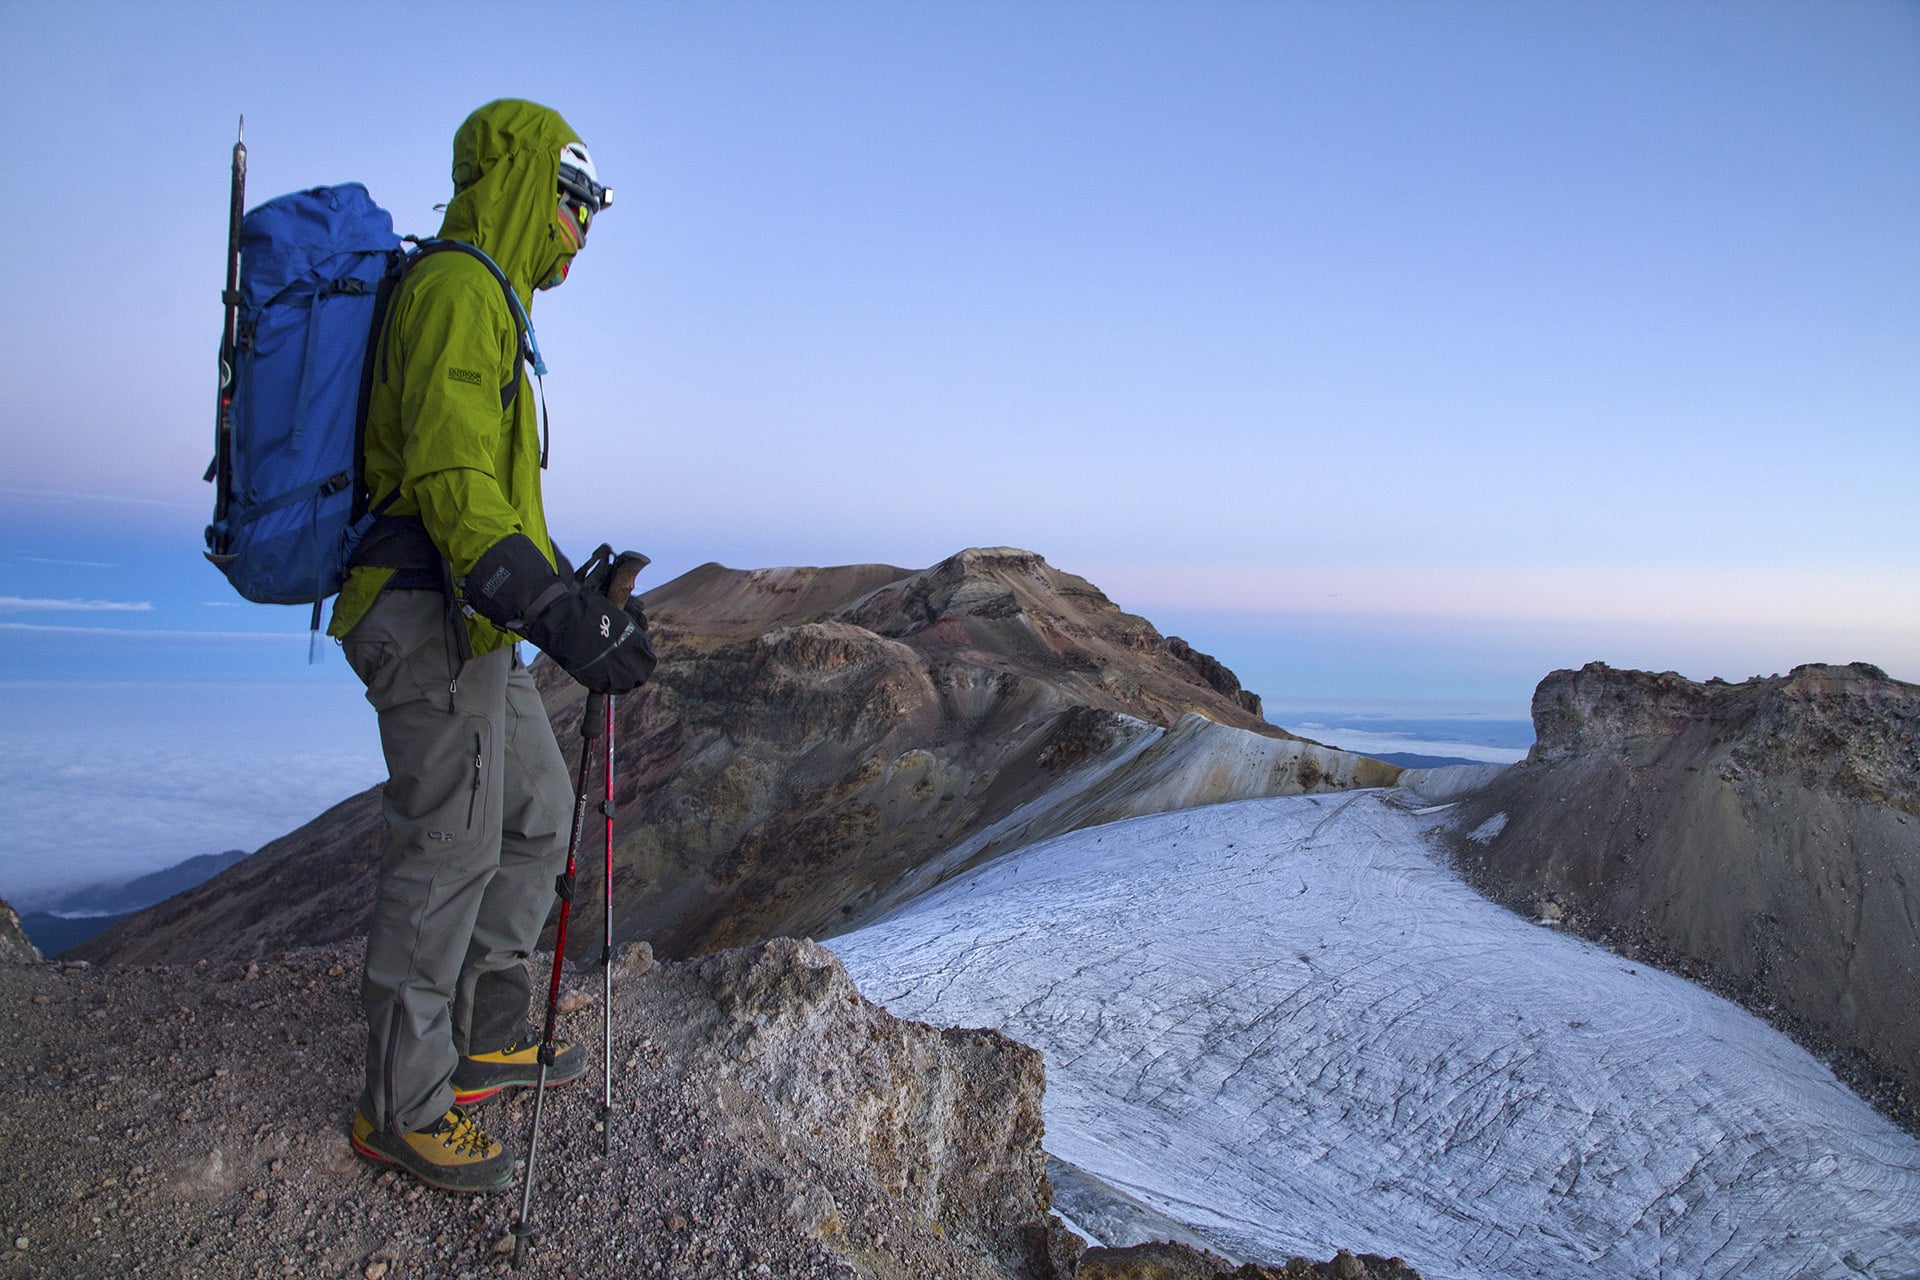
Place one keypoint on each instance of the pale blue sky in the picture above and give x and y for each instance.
(1388, 350)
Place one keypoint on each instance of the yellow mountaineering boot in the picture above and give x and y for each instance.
(517, 1066)
(454, 1154)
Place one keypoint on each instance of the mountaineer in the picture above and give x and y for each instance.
(459, 567)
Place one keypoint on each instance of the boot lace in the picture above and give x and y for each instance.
(462, 1135)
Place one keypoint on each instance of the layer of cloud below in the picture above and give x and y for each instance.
(32, 604)
(104, 783)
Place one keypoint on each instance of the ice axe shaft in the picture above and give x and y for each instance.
(221, 468)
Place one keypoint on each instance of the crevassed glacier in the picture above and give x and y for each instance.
(1287, 1025)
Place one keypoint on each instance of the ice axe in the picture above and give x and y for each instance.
(613, 576)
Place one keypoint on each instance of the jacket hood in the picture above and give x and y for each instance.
(506, 175)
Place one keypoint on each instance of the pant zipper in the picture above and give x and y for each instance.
(474, 797)
(393, 1062)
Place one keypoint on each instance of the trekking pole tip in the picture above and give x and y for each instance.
(521, 1233)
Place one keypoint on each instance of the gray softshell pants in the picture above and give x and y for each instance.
(477, 807)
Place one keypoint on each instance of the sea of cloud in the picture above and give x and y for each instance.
(102, 782)
(1485, 742)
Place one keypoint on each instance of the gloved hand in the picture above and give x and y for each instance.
(598, 573)
(598, 643)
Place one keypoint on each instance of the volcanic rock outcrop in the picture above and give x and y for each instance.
(1764, 837)
(816, 745)
(15, 946)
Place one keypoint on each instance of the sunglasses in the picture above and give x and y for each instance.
(574, 220)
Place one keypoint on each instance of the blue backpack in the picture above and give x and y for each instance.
(312, 267)
(316, 269)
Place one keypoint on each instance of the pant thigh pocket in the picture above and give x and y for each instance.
(440, 779)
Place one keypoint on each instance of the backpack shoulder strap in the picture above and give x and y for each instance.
(371, 367)
(523, 327)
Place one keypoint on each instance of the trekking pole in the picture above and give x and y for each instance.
(625, 569)
(606, 947)
(522, 1229)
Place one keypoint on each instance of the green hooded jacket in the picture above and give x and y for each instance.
(435, 429)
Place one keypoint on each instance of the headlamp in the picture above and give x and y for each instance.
(579, 182)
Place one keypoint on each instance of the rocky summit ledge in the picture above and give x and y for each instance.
(767, 1121)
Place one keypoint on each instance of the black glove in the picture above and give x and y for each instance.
(598, 643)
(597, 575)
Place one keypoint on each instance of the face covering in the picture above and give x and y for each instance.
(571, 220)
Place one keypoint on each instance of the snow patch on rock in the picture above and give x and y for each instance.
(1486, 831)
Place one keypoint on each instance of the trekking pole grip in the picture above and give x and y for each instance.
(626, 568)
(621, 576)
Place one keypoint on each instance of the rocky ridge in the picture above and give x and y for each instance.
(818, 744)
(767, 1121)
(1762, 837)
